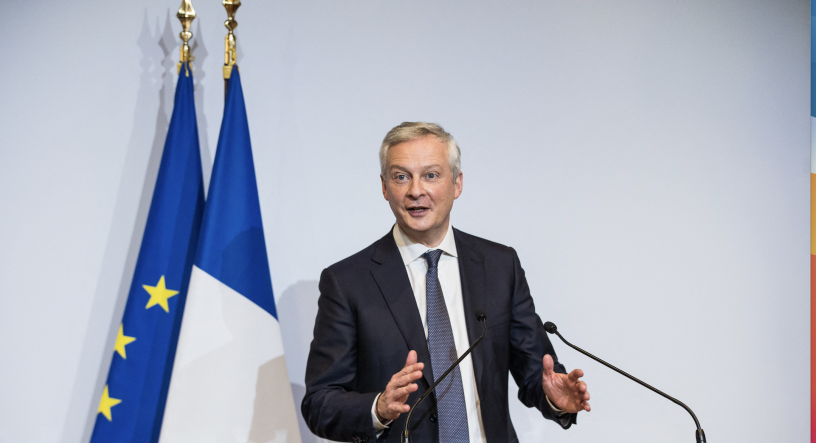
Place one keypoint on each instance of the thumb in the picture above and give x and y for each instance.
(548, 365)
(412, 358)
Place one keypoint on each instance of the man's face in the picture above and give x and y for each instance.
(420, 188)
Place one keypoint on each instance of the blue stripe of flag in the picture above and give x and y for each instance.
(232, 248)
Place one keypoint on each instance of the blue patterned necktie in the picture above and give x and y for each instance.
(450, 397)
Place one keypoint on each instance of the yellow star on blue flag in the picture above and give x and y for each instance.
(106, 403)
(121, 341)
(159, 295)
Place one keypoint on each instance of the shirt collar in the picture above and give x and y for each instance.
(411, 251)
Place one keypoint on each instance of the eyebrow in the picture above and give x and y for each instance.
(392, 167)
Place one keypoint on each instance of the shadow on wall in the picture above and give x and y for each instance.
(297, 309)
(200, 52)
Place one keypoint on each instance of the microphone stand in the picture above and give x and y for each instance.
(406, 435)
(700, 435)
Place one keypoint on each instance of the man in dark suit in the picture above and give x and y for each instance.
(394, 316)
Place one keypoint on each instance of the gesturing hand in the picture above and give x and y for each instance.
(392, 401)
(565, 391)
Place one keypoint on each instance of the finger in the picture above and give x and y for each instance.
(413, 367)
(412, 358)
(397, 408)
(404, 391)
(587, 407)
(397, 401)
(403, 384)
(407, 369)
(410, 377)
(397, 381)
(397, 396)
(575, 375)
(548, 365)
(407, 375)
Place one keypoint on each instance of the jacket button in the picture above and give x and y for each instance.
(434, 418)
(363, 438)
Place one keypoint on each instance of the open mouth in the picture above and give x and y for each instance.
(418, 210)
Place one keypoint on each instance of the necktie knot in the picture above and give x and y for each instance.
(432, 257)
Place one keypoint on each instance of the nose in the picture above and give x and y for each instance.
(416, 190)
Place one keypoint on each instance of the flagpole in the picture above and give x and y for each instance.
(186, 14)
(230, 53)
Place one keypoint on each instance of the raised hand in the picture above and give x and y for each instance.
(392, 401)
(565, 391)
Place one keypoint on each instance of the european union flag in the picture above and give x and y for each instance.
(132, 404)
(230, 381)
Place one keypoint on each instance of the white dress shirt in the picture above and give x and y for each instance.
(448, 273)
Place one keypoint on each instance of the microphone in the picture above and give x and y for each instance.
(482, 317)
(552, 329)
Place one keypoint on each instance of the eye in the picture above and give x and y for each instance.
(400, 176)
(431, 175)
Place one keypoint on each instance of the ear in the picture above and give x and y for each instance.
(385, 193)
(457, 185)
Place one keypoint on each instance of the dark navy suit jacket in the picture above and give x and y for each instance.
(368, 321)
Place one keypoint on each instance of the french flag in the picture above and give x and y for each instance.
(230, 382)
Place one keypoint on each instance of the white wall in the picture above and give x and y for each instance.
(648, 160)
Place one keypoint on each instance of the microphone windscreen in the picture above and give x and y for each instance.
(480, 315)
(550, 327)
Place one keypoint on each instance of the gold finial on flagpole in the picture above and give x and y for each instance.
(186, 14)
(230, 54)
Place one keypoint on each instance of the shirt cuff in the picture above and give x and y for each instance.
(378, 425)
(552, 406)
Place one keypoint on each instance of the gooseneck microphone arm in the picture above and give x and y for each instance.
(480, 315)
(552, 329)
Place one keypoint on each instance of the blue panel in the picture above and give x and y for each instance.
(812, 89)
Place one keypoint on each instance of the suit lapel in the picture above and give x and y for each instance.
(472, 275)
(392, 279)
